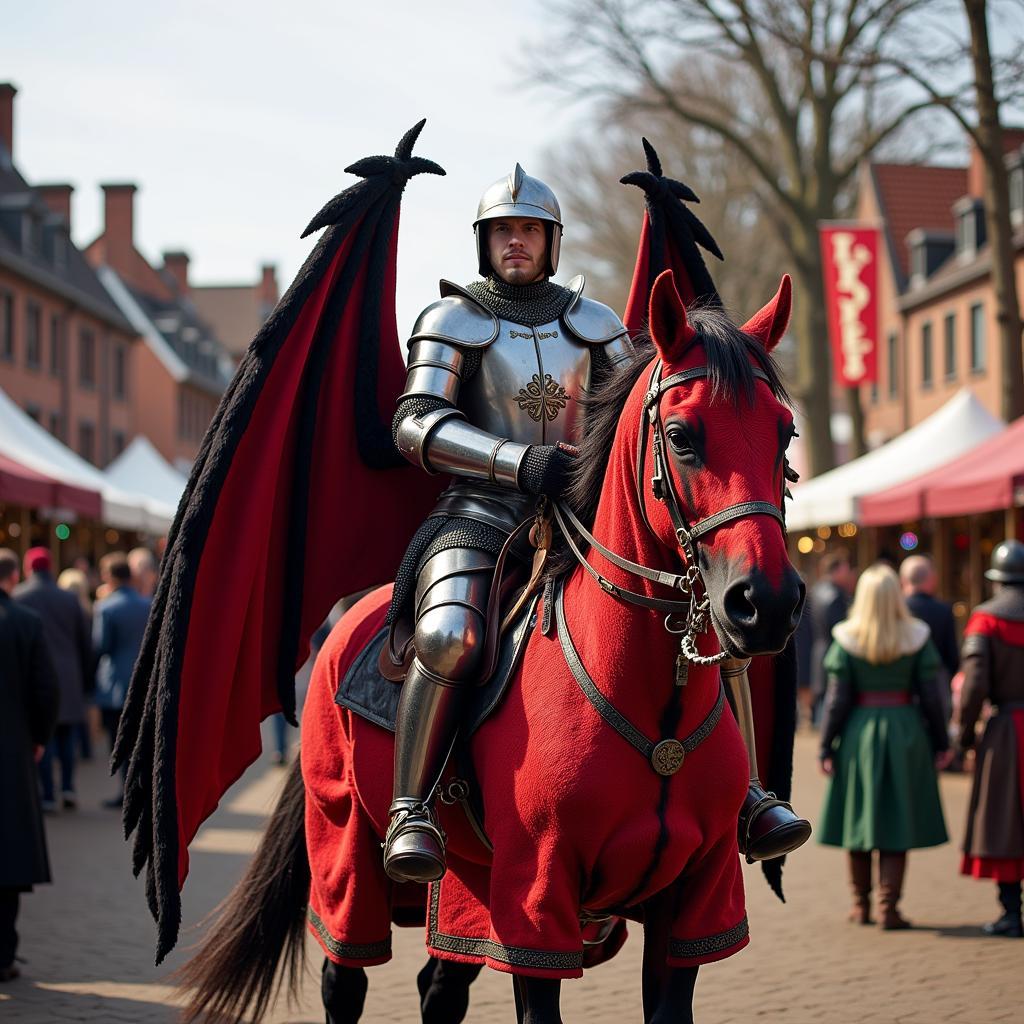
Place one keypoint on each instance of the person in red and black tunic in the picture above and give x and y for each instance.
(993, 665)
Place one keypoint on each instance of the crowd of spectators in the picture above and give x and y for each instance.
(879, 677)
(67, 647)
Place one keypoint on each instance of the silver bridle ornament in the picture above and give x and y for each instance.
(518, 195)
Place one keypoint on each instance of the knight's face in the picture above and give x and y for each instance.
(518, 249)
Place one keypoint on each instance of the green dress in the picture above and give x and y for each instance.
(883, 793)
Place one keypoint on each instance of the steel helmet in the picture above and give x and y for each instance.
(518, 195)
(1007, 563)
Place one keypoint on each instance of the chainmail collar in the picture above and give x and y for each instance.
(529, 304)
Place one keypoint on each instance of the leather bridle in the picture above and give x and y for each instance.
(695, 606)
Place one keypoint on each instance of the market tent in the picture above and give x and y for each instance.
(26, 442)
(140, 467)
(992, 479)
(982, 479)
(20, 485)
(834, 497)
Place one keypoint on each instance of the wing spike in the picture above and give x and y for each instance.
(403, 151)
(653, 161)
(379, 173)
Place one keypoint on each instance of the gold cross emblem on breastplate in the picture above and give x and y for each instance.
(542, 399)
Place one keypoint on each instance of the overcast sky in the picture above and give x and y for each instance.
(236, 119)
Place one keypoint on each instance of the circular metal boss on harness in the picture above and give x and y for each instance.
(667, 757)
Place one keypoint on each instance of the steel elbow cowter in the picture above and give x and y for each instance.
(441, 441)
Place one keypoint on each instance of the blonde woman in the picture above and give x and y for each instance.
(77, 582)
(884, 735)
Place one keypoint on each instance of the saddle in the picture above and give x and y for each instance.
(509, 590)
(367, 692)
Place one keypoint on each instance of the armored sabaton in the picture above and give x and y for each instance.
(495, 372)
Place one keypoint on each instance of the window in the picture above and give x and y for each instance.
(56, 344)
(1017, 194)
(977, 338)
(86, 440)
(949, 346)
(33, 336)
(893, 361)
(120, 372)
(55, 425)
(7, 326)
(33, 411)
(966, 229)
(918, 262)
(87, 358)
(117, 442)
(927, 375)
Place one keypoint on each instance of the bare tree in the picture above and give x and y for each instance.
(603, 220)
(699, 62)
(958, 73)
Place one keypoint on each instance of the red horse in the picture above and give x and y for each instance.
(607, 787)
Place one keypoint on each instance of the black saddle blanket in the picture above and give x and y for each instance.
(364, 691)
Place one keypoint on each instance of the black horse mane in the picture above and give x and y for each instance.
(727, 351)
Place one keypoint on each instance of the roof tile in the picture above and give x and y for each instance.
(916, 196)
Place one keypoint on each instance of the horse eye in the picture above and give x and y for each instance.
(681, 445)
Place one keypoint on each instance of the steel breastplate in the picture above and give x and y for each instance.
(529, 384)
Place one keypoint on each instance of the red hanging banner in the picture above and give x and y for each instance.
(850, 263)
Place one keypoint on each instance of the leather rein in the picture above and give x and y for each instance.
(694, 607)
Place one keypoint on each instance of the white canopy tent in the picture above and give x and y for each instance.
(25, 441)
(833, 497)
(142, 468)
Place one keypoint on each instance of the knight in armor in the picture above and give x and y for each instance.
(993, 667)
(495, 374)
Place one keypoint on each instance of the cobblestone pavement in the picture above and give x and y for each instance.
(88, 940)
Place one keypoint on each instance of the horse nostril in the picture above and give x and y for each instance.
(739, 607)
(798, 608)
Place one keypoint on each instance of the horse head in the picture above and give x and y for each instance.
(721, 412)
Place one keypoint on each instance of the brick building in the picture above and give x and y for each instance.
(66, 350)
(237, 311)
(937, 325)
(99, 346)
(180, 369)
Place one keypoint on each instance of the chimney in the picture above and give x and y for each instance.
(267, 290)
(58, 198)
(118, 223)
(976, 174)
(176, 264)
(7, 94)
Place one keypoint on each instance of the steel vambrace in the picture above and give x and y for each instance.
(441, 441)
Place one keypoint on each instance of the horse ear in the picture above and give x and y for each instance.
(769, 323)
(669, 327)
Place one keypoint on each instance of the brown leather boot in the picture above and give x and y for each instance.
(891, 868)
(860, 882)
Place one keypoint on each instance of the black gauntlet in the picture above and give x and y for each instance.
(546, 469)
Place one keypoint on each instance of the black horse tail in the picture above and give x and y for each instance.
(234, 975)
